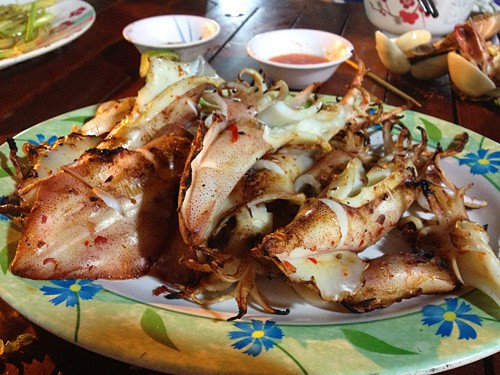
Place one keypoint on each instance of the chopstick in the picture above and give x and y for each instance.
(386, 84)
(429, 7)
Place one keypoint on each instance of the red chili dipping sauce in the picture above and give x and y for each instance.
(299, 59)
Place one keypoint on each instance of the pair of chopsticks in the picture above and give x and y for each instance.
(181, 34)
(386, 84)
(429, 7)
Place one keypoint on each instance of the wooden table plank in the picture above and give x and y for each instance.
(232, 58)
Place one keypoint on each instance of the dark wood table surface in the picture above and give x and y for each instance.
(101, 65)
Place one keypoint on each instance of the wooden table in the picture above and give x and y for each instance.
(101, 65)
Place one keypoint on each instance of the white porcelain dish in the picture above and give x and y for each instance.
(332, 47)
(72, 19)
(188, 36)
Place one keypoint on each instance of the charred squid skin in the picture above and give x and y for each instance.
(187, 179)
(377, 217)
(392, 278)
(105, 155)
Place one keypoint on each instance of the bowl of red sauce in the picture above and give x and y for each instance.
(299, 56)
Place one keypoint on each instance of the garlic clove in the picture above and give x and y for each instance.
(412, 39)
(467, 77)
(390, 54)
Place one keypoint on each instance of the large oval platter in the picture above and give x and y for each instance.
(126, 321)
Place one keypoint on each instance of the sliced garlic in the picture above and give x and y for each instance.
(412, 39)
(391, 56)
(467, 77)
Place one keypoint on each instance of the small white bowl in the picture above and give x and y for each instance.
(188, 36)
(334, 48)
(398, 17)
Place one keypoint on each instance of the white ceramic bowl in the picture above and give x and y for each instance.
(332, 47)
(398, 17)
(188, 36)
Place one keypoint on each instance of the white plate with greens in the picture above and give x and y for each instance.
(72, 18)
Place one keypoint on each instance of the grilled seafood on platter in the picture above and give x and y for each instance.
(210, 185)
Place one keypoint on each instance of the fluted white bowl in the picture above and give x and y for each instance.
(186, 35)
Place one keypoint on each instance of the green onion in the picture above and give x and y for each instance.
(30, 26)
(23, 27)
(44, 19)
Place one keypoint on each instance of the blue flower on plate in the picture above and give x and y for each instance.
(41, 138)
(453, 314)
(483, 162)
(255, 336)
(71, 292)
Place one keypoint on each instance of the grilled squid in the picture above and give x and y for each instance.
(232, 146)
(318, 248)
(391, 278)
(461, 242)
(106, 216)
(104, 207)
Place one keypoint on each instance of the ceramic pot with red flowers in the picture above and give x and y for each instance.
(400, 16)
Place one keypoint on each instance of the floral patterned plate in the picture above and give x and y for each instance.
(125, 321)
(72, 19)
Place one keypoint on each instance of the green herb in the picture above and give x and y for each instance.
(23, 27)
(166, 54)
